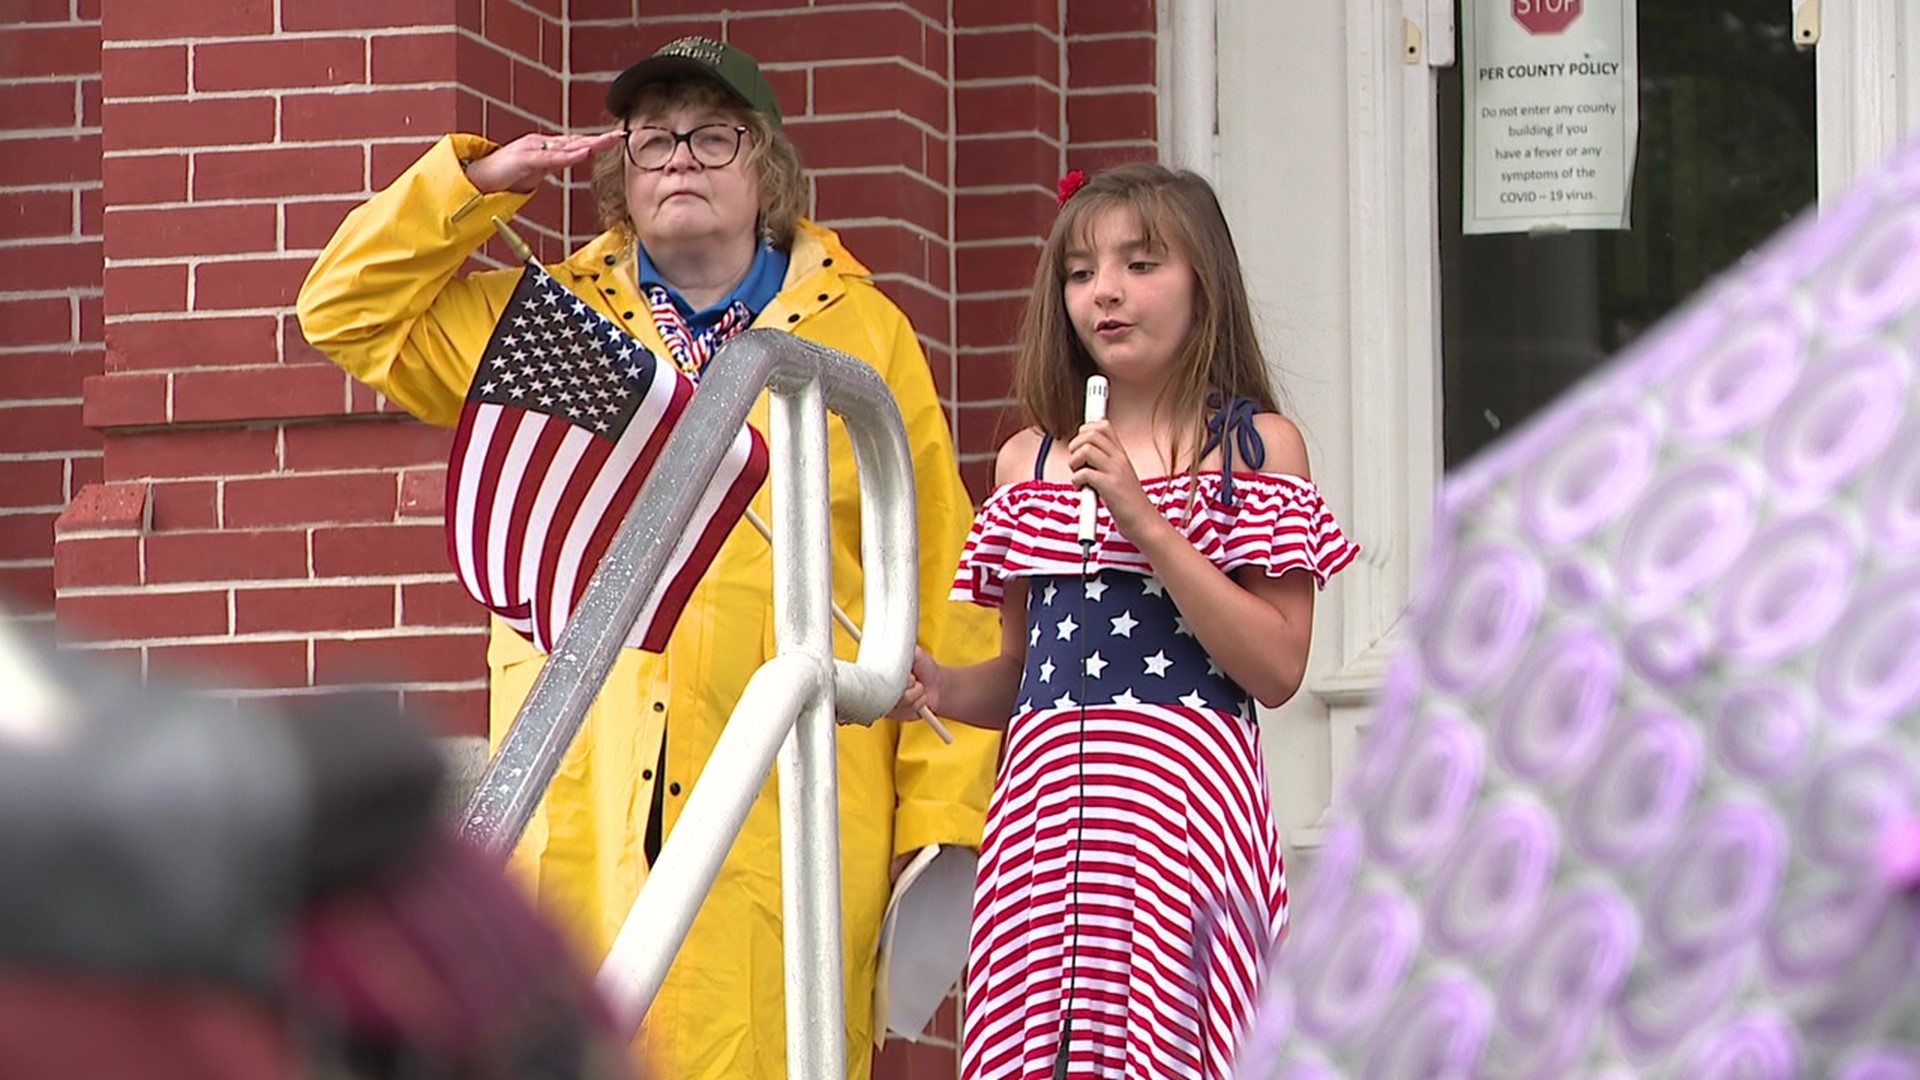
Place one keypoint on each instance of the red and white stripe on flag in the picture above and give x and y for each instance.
(564, 421)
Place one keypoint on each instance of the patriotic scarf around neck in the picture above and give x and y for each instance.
(693, 349)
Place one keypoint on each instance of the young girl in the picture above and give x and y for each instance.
(1130, 881)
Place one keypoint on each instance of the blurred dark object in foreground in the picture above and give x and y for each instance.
(197, 890)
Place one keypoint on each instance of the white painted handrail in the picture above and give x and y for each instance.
(793, 703)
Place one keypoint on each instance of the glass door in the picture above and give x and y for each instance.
(1726, 156)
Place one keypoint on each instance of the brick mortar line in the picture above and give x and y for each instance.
(837, 62)
(197, 316)
(231, 587)
(982, 31)
(132, 44)
(224, 258)
(1004, 189)
(872, 170)
(1114, 144)
(872, 222)
(313, 690)
(279, 637)
(78, 131)
(1000, 242)
(44, 241)
(342, 90)
(982, 136)
(729, 17)
(886, 114)
(73, 293)
(73, 78)
(47, 455)
(1010, 80)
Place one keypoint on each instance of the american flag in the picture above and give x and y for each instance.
(565, 418)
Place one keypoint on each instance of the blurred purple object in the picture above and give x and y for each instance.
(1643, 797)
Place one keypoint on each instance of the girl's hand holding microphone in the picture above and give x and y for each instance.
(1100, 463)
(520, 166)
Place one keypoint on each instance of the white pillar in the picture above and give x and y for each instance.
(1194, 85)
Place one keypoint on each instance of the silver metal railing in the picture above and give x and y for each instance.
(791, 705)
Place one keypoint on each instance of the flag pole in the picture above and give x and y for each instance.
(853, 632)
(525, 253)
(512, 238)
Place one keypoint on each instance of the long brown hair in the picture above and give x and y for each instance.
(1177, 210)
(769, 156)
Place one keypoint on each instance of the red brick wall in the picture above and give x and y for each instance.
(267, 524)
(49, 280)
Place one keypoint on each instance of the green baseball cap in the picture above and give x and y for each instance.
(698, 56)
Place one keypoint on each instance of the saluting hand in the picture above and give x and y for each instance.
(522, 164)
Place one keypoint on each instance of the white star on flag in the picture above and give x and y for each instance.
(1096, 589)
(1152, 586)
(1125, 697)
(1193, 700)
(1064, 701)
(1157, 664)
(1213, 668)
(1095, 665)
(1067, 627)
(1047, 596)
(1123, 624)
(1180, 625)
(1033, 636)
(1046, 671)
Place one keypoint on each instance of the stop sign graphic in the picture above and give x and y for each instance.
(1546, 16)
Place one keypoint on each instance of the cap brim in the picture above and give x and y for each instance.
(626, 89)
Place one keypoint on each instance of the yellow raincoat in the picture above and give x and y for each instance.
(385, 303)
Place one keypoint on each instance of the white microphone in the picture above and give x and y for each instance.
(1096, 410)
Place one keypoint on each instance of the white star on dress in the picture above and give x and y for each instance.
(1180, 625)
(1047, 596)
(1152, 586)
(1096, 589)
(1193, 700)
(1064, 701)
(1067, 627)
(1213, 668)
(1125, 697)
(1033, 636)
(1095, 665)
(1123, 624)
(1157, 664)
(1046, 671)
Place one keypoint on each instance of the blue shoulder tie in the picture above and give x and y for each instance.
(1231, 424)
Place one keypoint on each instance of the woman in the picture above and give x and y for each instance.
(701, 195)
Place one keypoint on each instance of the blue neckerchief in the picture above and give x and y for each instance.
(762, 283)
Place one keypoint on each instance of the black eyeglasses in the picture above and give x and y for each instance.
(713, 145)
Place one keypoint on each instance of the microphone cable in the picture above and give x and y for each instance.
(1063, 1055)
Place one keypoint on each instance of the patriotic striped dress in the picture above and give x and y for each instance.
(1131, 871)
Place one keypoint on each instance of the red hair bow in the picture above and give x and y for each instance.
(1070, 183)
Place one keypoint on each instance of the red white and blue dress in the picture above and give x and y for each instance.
(1132, 781)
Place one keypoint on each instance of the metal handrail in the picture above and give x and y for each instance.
(806, 380)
